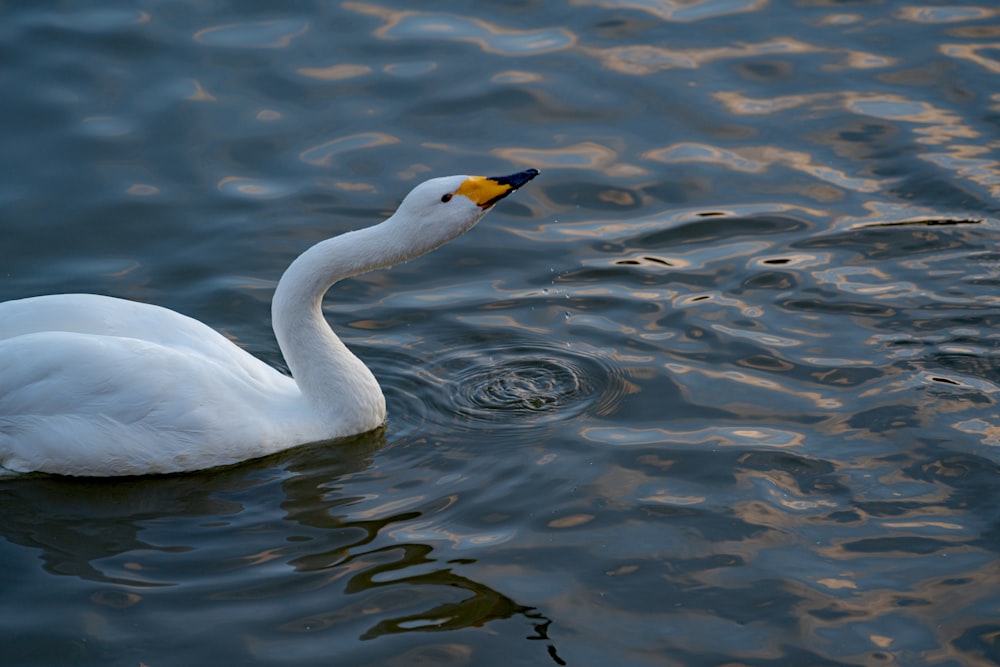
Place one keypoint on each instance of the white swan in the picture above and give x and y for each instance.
(93, 385)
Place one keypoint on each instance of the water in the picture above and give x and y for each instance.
(719, 387)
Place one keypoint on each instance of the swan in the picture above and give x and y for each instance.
(97, 386)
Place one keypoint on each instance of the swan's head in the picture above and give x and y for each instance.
(442, 208)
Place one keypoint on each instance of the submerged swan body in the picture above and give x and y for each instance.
(93, 385)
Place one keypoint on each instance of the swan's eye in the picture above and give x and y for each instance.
(445, 199)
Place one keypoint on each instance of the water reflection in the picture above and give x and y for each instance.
(84, 527)
(111, 533)
(325, 153)
(276, 34)
(489, 37)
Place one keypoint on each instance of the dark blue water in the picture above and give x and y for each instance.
(719, 387)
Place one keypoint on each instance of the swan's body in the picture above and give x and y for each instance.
(93, 385)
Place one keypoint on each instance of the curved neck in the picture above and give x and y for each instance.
(337, 384)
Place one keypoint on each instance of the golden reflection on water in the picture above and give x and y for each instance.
(793, 260)
(759, 381)
(764, 339)
(268, 115)
(695, 152)
(510, 77)
(647, 59)
(987, 432)
(142, 190)
(323, 154)
(972, 53)
(945, 14)
(347, 186)
(249, 187)
(679, 11)
(940, 125)
(571, 521)
(200, 94)
(586, 155)
(930, 124)
(407, 24)
(502, 322)
(860, 60)
(338, 72)
(970, 162)
(275, 34)
(699, 299)
(758, 159)
(718, 436)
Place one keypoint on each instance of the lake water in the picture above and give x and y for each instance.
(718, 387)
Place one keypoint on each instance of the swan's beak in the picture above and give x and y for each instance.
(488, 190)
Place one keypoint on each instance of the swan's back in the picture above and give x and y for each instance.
(108, 316)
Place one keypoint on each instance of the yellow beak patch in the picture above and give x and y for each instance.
(488, 190)
(484, 191)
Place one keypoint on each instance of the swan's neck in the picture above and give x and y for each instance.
(336, 384)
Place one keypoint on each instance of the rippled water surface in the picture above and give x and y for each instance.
(719, 387)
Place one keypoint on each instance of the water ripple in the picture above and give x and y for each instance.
(495, 381)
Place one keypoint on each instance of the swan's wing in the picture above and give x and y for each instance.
(95, 314)
(108, 316)
(87, 404)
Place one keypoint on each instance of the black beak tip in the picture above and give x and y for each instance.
(516, 180)
(523, 177)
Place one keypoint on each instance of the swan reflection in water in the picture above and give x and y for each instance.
(136, 543)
